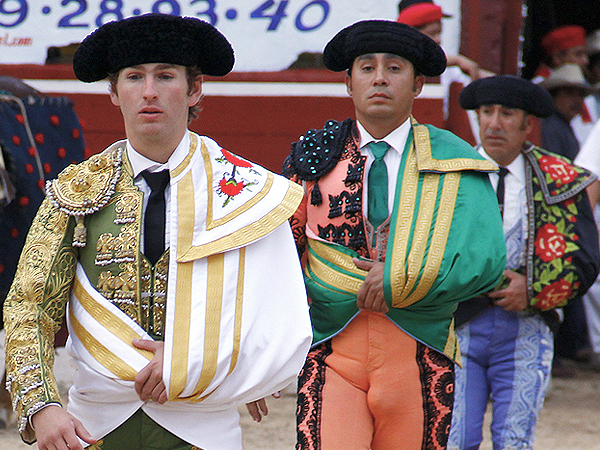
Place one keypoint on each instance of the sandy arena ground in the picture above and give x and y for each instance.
(570, 419)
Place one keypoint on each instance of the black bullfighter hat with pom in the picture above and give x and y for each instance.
(153, 38)
(384, 36)
(510, 91)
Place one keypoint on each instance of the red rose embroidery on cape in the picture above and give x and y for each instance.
(232, 184)
(549, 243)
(239, 162)
(554, 294)
(558, 170)
(231, 187)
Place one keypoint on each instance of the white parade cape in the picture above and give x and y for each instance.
(236, 328)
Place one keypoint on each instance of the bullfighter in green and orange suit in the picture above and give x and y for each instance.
(399, 223)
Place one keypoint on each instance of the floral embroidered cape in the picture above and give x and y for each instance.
(562, 257)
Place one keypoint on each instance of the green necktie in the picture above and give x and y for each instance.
(378, 185)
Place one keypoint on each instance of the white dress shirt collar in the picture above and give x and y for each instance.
(139, 162)
(396, 139)
(516, 168)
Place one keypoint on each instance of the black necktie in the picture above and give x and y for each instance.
(154, 222)
(500, 189)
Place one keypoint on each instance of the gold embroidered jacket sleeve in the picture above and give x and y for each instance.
(34, 310)
(91, 217)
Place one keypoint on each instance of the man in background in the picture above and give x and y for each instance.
(552, 258)
(568, 89)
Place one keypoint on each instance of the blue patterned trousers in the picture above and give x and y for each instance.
(506, 360)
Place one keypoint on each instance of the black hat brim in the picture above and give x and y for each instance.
(153, 38)
(509, 91)
(384, 36)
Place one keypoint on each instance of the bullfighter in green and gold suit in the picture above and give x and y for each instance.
(166, 349)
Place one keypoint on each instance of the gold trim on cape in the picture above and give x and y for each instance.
(186, 161)
(107, 319)
(340, 259)
(103, 355)
(238, 238)
(426, 162)
(423, 247)
(331, 276)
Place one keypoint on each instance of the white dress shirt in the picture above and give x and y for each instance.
(139, 163)
(514, 219)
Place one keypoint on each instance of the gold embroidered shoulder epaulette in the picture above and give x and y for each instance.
(84, 188)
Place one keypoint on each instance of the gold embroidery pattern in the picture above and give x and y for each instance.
(333, 277)
(439, 239)
(87, 187)
(328, 253)
(406, 213)
(126, 209)
(125, 246)
(105, 247)
(106, 284)
(42, 281)
(145, 293)
(58, 285)
(420, 239)
(125, 288)
(159, 297)
(122, 248)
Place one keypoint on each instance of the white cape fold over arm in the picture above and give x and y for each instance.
(237, 326)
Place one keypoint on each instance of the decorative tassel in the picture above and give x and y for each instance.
(316, 198)
(80, 233)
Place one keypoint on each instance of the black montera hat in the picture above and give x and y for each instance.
(510, 91)
(153, 38)
(384, 36)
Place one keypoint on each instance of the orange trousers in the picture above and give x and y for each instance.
(374, 387)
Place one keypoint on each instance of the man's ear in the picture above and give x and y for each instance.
(349, 85)
(195, 92)
(418, 84)
(114, 98)
(529, 123)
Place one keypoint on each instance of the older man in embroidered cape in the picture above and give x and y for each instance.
(552, 258)
(162, 249)
(398, 224)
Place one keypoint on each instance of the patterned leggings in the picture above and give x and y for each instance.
(374, 387)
